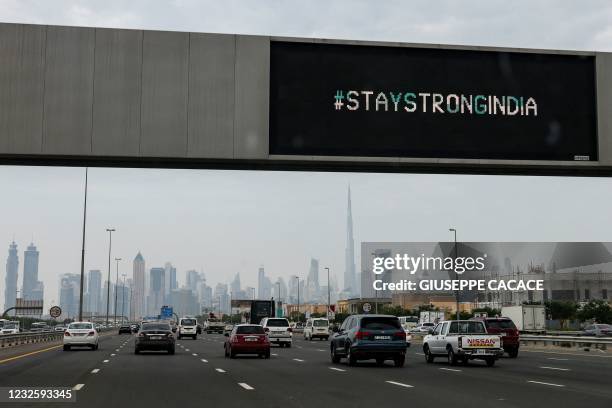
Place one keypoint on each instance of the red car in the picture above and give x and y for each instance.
(247, 339)
(504, 327)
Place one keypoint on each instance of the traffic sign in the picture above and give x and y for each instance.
(166, 312)
(55, 312)
(367, 307)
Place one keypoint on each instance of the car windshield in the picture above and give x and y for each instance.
(380, 323)
(10, 326)
(501, 324)
(188, 322)
(277, 323)
(250, 330)
(320, 323)
(603, 326)
(156, 326)
(81, 326)
(467, 328)
(428, 325)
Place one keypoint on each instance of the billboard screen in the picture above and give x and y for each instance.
(379, 101)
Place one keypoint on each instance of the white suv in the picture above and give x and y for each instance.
(187, 327)
(316, 327)
(278, 330)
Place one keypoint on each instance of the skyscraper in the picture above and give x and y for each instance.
(235, 285)
(12, 274)
(193, 279)
(261, 283)
(138, 292)
(94, 288)
(69, 289)
(157, 290)
(312, 281)
(30, 274)
(349, 271)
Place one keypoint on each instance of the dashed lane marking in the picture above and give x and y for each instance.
(220, 370)
(298, 360)
(545, 383)
(400, 384)
(194, 354)
(450, 369)
(556, 368)
(95, 370)
(337, 369)
(78, 387)
(557, 359)
(246, 386)
(105, 361)
(274, 354)
(204, 361)
(113, 355)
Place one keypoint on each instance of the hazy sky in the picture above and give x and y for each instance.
(234, 221)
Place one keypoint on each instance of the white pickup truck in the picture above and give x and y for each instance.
(462, 340)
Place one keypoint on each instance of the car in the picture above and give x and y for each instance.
(82, 334)
(10, 327)
(247, 339)
(462, 340)
(370, 336)
(278, 330)
(125, 328)
(155, 336)
(63, 328)
(422, 328)
(187, 327)
(134, 327)
(316, 328)
(504, 327)
(597, 330)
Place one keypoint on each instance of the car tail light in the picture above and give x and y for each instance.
(289, 329)
(91, 333)
(460, 342)
(360, 335)
(141, 334)
(169, 334)
(401, 335)
(66, 334)
(266, 330)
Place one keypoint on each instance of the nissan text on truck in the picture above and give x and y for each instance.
(462, 340)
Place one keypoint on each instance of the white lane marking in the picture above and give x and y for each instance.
(299, 360)
(105, 361)
(557, 359)
(220, 370)
(274, 354)
(545, 383)
(113, 355)
(336, 369)
(204, 361)
(95, 370)
(400, 384)
(419, 354)
(194, 354)
(246, 386)
(299, 347)
(186, 349)
(117, 350)
(78, 387)
(450, 369)
(556, 368)
(320, 350)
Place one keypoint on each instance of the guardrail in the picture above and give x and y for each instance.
(579, 341)
(11, 340)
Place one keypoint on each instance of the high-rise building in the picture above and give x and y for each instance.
(30, 274)
(123, 300)
(221, 298)
(205, 296)
(280, 286)
(350, 284)
(157, 288)
(139, 289)
(94, 288)
(235, 285)
(170, 282)
(184, 302)
(312, 281)
(192, 280)
(261, 282)
(12, 274)
(69, 289)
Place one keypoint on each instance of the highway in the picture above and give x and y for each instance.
(302, 376)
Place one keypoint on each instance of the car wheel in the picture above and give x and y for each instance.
(231, 353)
(179, 337)
(399, 361)
(428, 356)
(452, 359)
(267, 354)
(334, 357)
(225, 351)
(288, 345)
(350, 359)
(136, 350)
(513, 353)
(66, 347)
(380, 361)
(195, 337)
(490, 362)
(171, 350)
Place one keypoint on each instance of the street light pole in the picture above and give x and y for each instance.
(116, 285)
(328, 294)
(123, 298)
(298, 290)
(83, 251)
(110, 244)
(453, 230)
(278, 298)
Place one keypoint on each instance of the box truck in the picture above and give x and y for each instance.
(430, 317)
(527, 318)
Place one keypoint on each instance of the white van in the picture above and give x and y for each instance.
(316, 327)
(278, 330)
(187, 327)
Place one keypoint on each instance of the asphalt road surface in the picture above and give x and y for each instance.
(199, 375)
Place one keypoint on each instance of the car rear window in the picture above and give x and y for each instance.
(320, 323)
(81, 326)
(188, 322)
(500, 324)
(380, 323)
(475, 327)
(277, 323)
(250, 330)
(156, 326)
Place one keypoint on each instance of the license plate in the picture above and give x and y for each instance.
(482, 352)
(250, 339)
(382, 337)
(156, 338)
